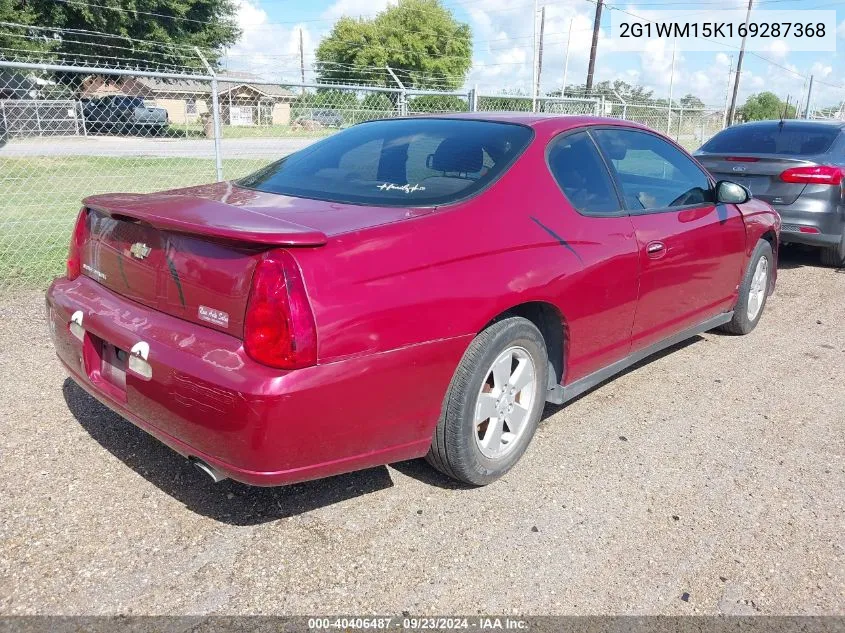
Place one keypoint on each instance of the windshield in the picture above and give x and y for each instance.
(400, 162)
(792, 138)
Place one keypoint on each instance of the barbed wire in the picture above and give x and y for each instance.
(446, 56)
(59, 29)
(192, 65)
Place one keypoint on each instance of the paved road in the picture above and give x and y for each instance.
(152, 147)
(716, 470)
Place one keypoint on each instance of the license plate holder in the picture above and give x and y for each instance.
(105, 365)
(113, 367)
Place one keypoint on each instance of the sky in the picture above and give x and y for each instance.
(503, 47)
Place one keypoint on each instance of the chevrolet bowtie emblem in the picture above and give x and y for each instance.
(139, 250)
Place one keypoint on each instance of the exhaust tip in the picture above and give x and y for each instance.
(216, 475)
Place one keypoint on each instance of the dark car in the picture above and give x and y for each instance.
(326, 118)
(403, 288)
(129, 115)
(796, 166)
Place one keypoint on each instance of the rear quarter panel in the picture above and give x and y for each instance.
(448, 272)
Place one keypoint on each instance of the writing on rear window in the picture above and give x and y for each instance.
(389, 186)
(405, 162)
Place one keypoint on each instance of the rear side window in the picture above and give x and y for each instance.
(402, 162)
(791, 138)
(580, 171)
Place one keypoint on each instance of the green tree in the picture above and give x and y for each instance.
(438, 103)
(632, 94)
(419, 39)
(691, 101)
(136, 29)
(765, 105)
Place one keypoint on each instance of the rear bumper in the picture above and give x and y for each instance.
(828, 220)
(258, 425)
(822, 240)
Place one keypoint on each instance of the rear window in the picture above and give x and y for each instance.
(402, 162)
(773, 138)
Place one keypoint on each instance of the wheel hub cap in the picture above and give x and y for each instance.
(504, 402)
(759, 286)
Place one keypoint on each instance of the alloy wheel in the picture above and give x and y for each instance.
(504, 403)
(759, 285)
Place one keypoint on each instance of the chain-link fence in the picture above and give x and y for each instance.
(70, 132)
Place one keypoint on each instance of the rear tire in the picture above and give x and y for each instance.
(502, 378)
(834, 256)
(753, 291)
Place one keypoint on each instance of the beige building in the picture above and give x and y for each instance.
(242, 103)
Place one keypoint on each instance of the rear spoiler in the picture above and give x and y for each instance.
(209, 218)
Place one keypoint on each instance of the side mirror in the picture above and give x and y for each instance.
(728, 192)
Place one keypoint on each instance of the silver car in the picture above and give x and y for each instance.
(798, 167)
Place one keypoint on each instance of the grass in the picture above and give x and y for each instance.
(40, 198)
(195, 130)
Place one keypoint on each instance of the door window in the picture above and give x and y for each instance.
(581, 173)
(653, 173)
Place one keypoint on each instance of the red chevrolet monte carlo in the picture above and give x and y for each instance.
(403, 288)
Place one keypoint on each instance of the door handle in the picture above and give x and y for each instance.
(655, 249)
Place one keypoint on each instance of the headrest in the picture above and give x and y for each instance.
(815, 145)
(456, 155)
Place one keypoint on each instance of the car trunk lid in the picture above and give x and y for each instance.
(760, 173)
(184, 255)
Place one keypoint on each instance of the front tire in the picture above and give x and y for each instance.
(753, 291)
(494, 403)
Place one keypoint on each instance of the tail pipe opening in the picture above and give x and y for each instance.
(216, 475)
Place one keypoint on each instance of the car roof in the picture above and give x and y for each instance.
(790, 122)
(535, 119)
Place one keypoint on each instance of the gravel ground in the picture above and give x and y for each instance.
(716, 470)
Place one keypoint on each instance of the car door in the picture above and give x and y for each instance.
(600, 300)
(691, 250)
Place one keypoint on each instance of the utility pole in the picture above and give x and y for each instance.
(566, 60)
(540, 51)
(301, 60)
(592, 67)
(728, 93)
(671, 88)
(732, 109)
(809, 96)
(534, 61)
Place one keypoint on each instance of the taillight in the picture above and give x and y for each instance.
(817, 174)
(77, 240)
(279, 328)
(742, 159)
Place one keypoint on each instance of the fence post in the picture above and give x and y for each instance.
(473, 99)
(215, 114)
(680, 122)
(3, 111)
(402, 101)
(37, 118)
(669, 118)
(82, 116)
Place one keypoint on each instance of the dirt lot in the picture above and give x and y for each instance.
(716, 470)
